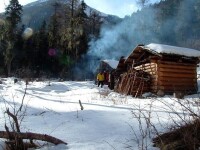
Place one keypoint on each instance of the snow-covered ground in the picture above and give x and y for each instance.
(109, 121)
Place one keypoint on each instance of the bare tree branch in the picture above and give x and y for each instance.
(32, 136)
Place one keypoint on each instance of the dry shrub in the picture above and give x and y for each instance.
(186, 137)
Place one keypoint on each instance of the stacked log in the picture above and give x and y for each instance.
(174, 76)
(134, 82)
(171, 77)
(150, 68)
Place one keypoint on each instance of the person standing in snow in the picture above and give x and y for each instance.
(106, 77)
(111, 81)
(100, 79)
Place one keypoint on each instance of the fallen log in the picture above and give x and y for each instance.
(31, 136)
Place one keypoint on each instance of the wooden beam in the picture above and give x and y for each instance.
(161, 83)
(176, 63)
(175, 70)
(178, 66)
(177, 75)
(174, 78)
(172, 89)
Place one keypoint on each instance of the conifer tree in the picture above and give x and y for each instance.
(82, 40)
(94, 24)
(13, 17)
(54, 28)
(13, 14)
(72, 31)
(42, 46)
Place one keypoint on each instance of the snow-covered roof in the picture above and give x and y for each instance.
(112, 63)
(167, 49)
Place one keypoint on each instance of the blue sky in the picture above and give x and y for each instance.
(114, 7)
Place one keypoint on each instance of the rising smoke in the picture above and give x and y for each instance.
(121, 39)
(142, 27)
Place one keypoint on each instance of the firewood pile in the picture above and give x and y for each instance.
(134, 82)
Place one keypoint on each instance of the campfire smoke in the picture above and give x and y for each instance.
(142, 27)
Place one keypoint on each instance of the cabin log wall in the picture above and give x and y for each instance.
(177, 76)
(171, 76)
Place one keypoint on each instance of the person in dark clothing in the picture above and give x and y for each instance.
(111, 80)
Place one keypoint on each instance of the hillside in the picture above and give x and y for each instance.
(36, 12)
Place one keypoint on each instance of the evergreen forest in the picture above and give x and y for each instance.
(63, 44)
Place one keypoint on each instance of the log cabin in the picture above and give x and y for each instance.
(171, 69)
(107, 66)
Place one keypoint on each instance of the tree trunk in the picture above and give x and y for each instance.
(32, 136)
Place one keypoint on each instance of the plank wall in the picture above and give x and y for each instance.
(171, 76)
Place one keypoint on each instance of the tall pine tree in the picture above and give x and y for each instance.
(13, 17)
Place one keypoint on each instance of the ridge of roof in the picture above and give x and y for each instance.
(168, 49)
